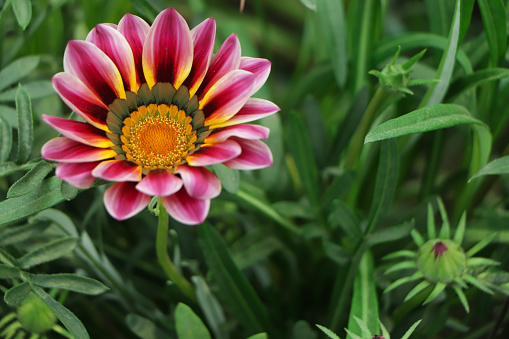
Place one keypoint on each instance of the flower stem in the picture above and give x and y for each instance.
(163, 257)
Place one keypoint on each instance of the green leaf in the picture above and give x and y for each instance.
(17, 70)
(71, 282)
(23, 12)
(343, 216)
(494, 20)
(300, 147)
(411, 330)
(144, 328)
(46, 195)
(5, 140)
(70, 321)
(439, 287)
(30, 180)
(385, 186)
(16, 234)
(230, 178)
(335, 252)
(332, 19)
(424, 119)
(36, 90)
(9, 272)
(253, 248)
(25, 124)
(338, 188)
(436, 91)
(8, 114)
(210, 307)
(16, 294)
(68, 191)
(495, 167)
(48, 252)
(8, 168)
(238, 294)
(329, 333)
(481, 148)
(188, 324)
(146, 9)
(302, 330)
(475, 79)
(391, 233)
(364, 299)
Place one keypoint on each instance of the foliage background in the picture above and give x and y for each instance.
(282, 246)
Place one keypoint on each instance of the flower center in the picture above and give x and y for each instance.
(157, 136)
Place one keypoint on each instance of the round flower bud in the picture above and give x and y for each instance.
(35, 316)
(441, 260)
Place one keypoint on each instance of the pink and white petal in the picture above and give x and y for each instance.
(255, 154)
(67, 150)
(77, 174)
(135, 30)
(185, 209)
(214, 154)
(203, 40)
(81, 99)
(116, 47)
(226, 60)
(254, 109)
(101, 76)
(227, 97)
(199, 182)
(243, 131)
(122, 200)
(118, 170)
(260, 67)
(79, 131)
(168, 50)
(159, 183)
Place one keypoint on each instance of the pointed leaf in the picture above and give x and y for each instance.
(411, 330)
(329, 333)
(311, 4)
(230, 178)
(8, 272)
(460, 231)
(144, 328)
(439, 287)
(16, 234)
(494, 20)
(71, 282)
(461, 297)
(446, 228)
(17, 70)
(25, 124)
(188, 324)
(495, 167)
(70, 321)
(238, 294)
(343, 216)
(424, 119)
(259, 336)
(23, 12)
(5, 140)
(48, 252)
(210, 307)
(391, 233)
(480, 245)
(30, 180)
(16, 294)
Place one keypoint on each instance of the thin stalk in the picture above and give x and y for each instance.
(376, 103)
(163, 257)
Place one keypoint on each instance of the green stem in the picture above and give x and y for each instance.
(163, 257)
(354, 151)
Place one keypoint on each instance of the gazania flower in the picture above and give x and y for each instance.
(158, 108)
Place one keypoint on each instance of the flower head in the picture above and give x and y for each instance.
(158, 107)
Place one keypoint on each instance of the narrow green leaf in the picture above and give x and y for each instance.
(46, 195)
(436, 91)
(17, 70)
(411, 330)
(25, 124)
(460, 231)
(473, 262)
(188, 324)
(424, 119)
(364, 299)
(400, 254)
(439, 287)
(495, 167)
(467, 7)
(461, 297)
(480, 245)
(8, 114)
(302, 330)
(335, 252)
(445, 231)
(35, 89)
(144, 328)
(30, 180)
(421, 286)
(477, 283)
(403, 265)
(475, 79)
(432, 234)
(391, 233)
(338, 188)
(253, 248)
(16, 234)
(300, 147)
(210, 307)
(70, 321)
(417, 237)
(48, 252)
(146, 9)
(329, 333)
(71, 282)
(385, 333)
(5, 140)
(23, 12)
(238, 294)
(385, 186)
(8, 272)
(8, 168)
(230, 178)
(16, 294)
(404, 280)
(494, 20)
(332, 20)
(481, 148)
